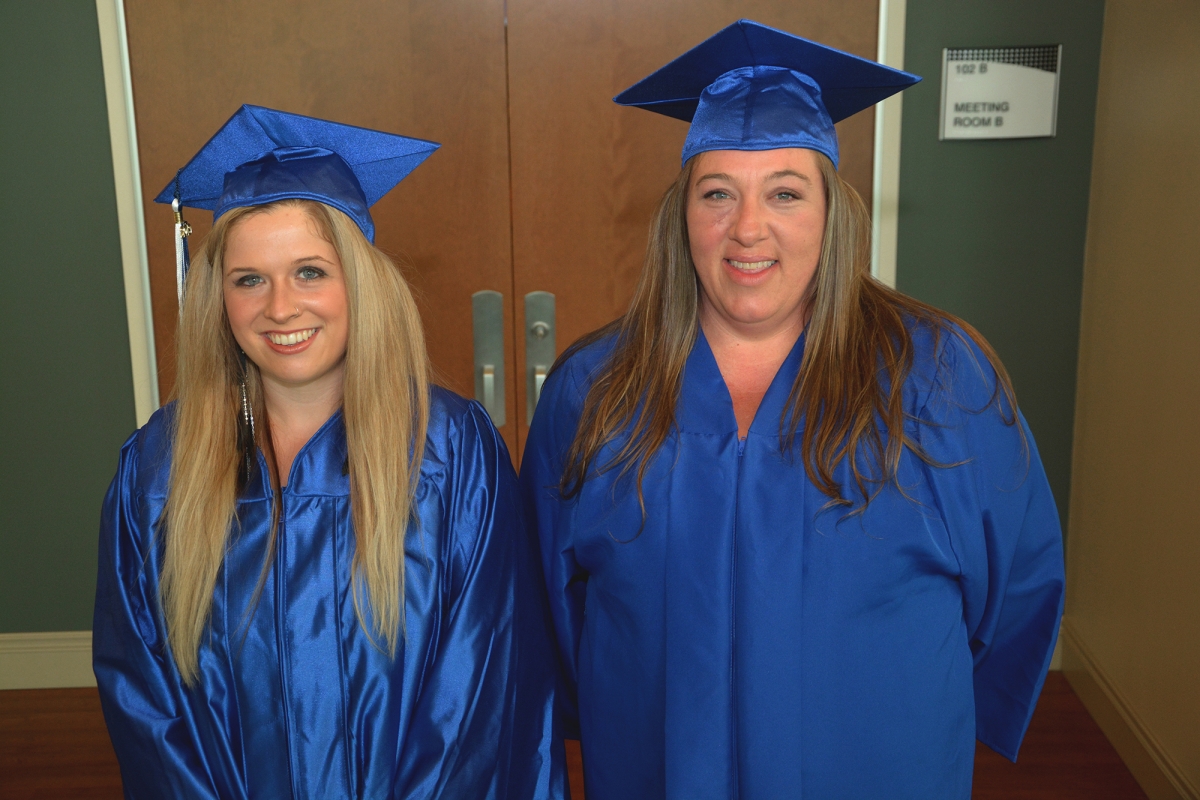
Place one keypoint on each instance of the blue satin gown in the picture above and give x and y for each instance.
(294, 700)
(744, 640)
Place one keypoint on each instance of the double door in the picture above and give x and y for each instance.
(542, 185)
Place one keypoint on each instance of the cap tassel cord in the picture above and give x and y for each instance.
(182, 232)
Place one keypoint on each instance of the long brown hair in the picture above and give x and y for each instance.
(385, 408)
(857, 356)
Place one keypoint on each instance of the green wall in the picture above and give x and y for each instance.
(994, 231)
(67, 395)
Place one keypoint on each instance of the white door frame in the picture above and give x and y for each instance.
(885, 183)
(122, 130)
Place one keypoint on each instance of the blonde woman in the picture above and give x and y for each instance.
(797, 537)
(313, 575)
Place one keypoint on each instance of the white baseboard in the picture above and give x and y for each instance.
(57, 660)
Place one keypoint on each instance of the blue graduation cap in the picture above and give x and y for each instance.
(752, 87)
(261, 155)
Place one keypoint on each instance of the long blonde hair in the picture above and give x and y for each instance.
(385, 409)
(857, 326)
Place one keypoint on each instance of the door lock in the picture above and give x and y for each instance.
(539, 346)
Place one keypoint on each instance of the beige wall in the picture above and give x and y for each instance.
(1132, 632)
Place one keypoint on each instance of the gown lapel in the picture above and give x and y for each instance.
(773, 510)
(704, 574)
(698, 586)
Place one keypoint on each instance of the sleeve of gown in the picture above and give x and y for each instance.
(1004, 526)
(550, 436)
(490, 687)
(148, 720)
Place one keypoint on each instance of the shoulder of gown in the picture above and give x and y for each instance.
(949, 365)
(145, 460)
(563, 394)
(454, 423)
(575, 375)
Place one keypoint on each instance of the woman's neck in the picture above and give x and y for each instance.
(296, 413)
(748, 361)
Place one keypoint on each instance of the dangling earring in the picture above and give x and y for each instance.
(246, 425)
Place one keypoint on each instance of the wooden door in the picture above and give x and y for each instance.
(586, 173)
(433, 69)
(530, 92)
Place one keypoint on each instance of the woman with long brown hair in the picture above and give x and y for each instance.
(796, 534)
(314, 579)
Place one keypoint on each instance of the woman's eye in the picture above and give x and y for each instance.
(786, 196)
(310, 273)
(716, 194)
(248, 280)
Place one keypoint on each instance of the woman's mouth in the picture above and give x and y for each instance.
(750, 266)
(290, 342)
(295, 337)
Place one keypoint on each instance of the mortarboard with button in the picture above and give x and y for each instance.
(752, 87)
(262, 155)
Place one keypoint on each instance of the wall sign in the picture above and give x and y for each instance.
(999, 92)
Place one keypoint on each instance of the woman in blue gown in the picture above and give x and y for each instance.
(796, 534)
(314, 576)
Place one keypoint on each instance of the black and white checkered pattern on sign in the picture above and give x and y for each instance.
(1043, 56)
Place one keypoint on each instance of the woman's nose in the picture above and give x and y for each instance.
(747, 228)
(281, 305)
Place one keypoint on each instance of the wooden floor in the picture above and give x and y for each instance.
(53, 745)
(1064, 757)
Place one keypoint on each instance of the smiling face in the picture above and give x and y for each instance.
(755, 221)
(285, 296)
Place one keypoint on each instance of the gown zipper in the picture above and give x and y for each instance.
(281, 631)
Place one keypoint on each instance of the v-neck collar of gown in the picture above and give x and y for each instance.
(317, 468)
(706, 407)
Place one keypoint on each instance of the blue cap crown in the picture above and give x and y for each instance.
(261, 155)
(752, 87)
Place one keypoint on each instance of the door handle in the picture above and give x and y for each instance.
(539, 377)
(489, 386)
(487, 328)
(539, 346)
